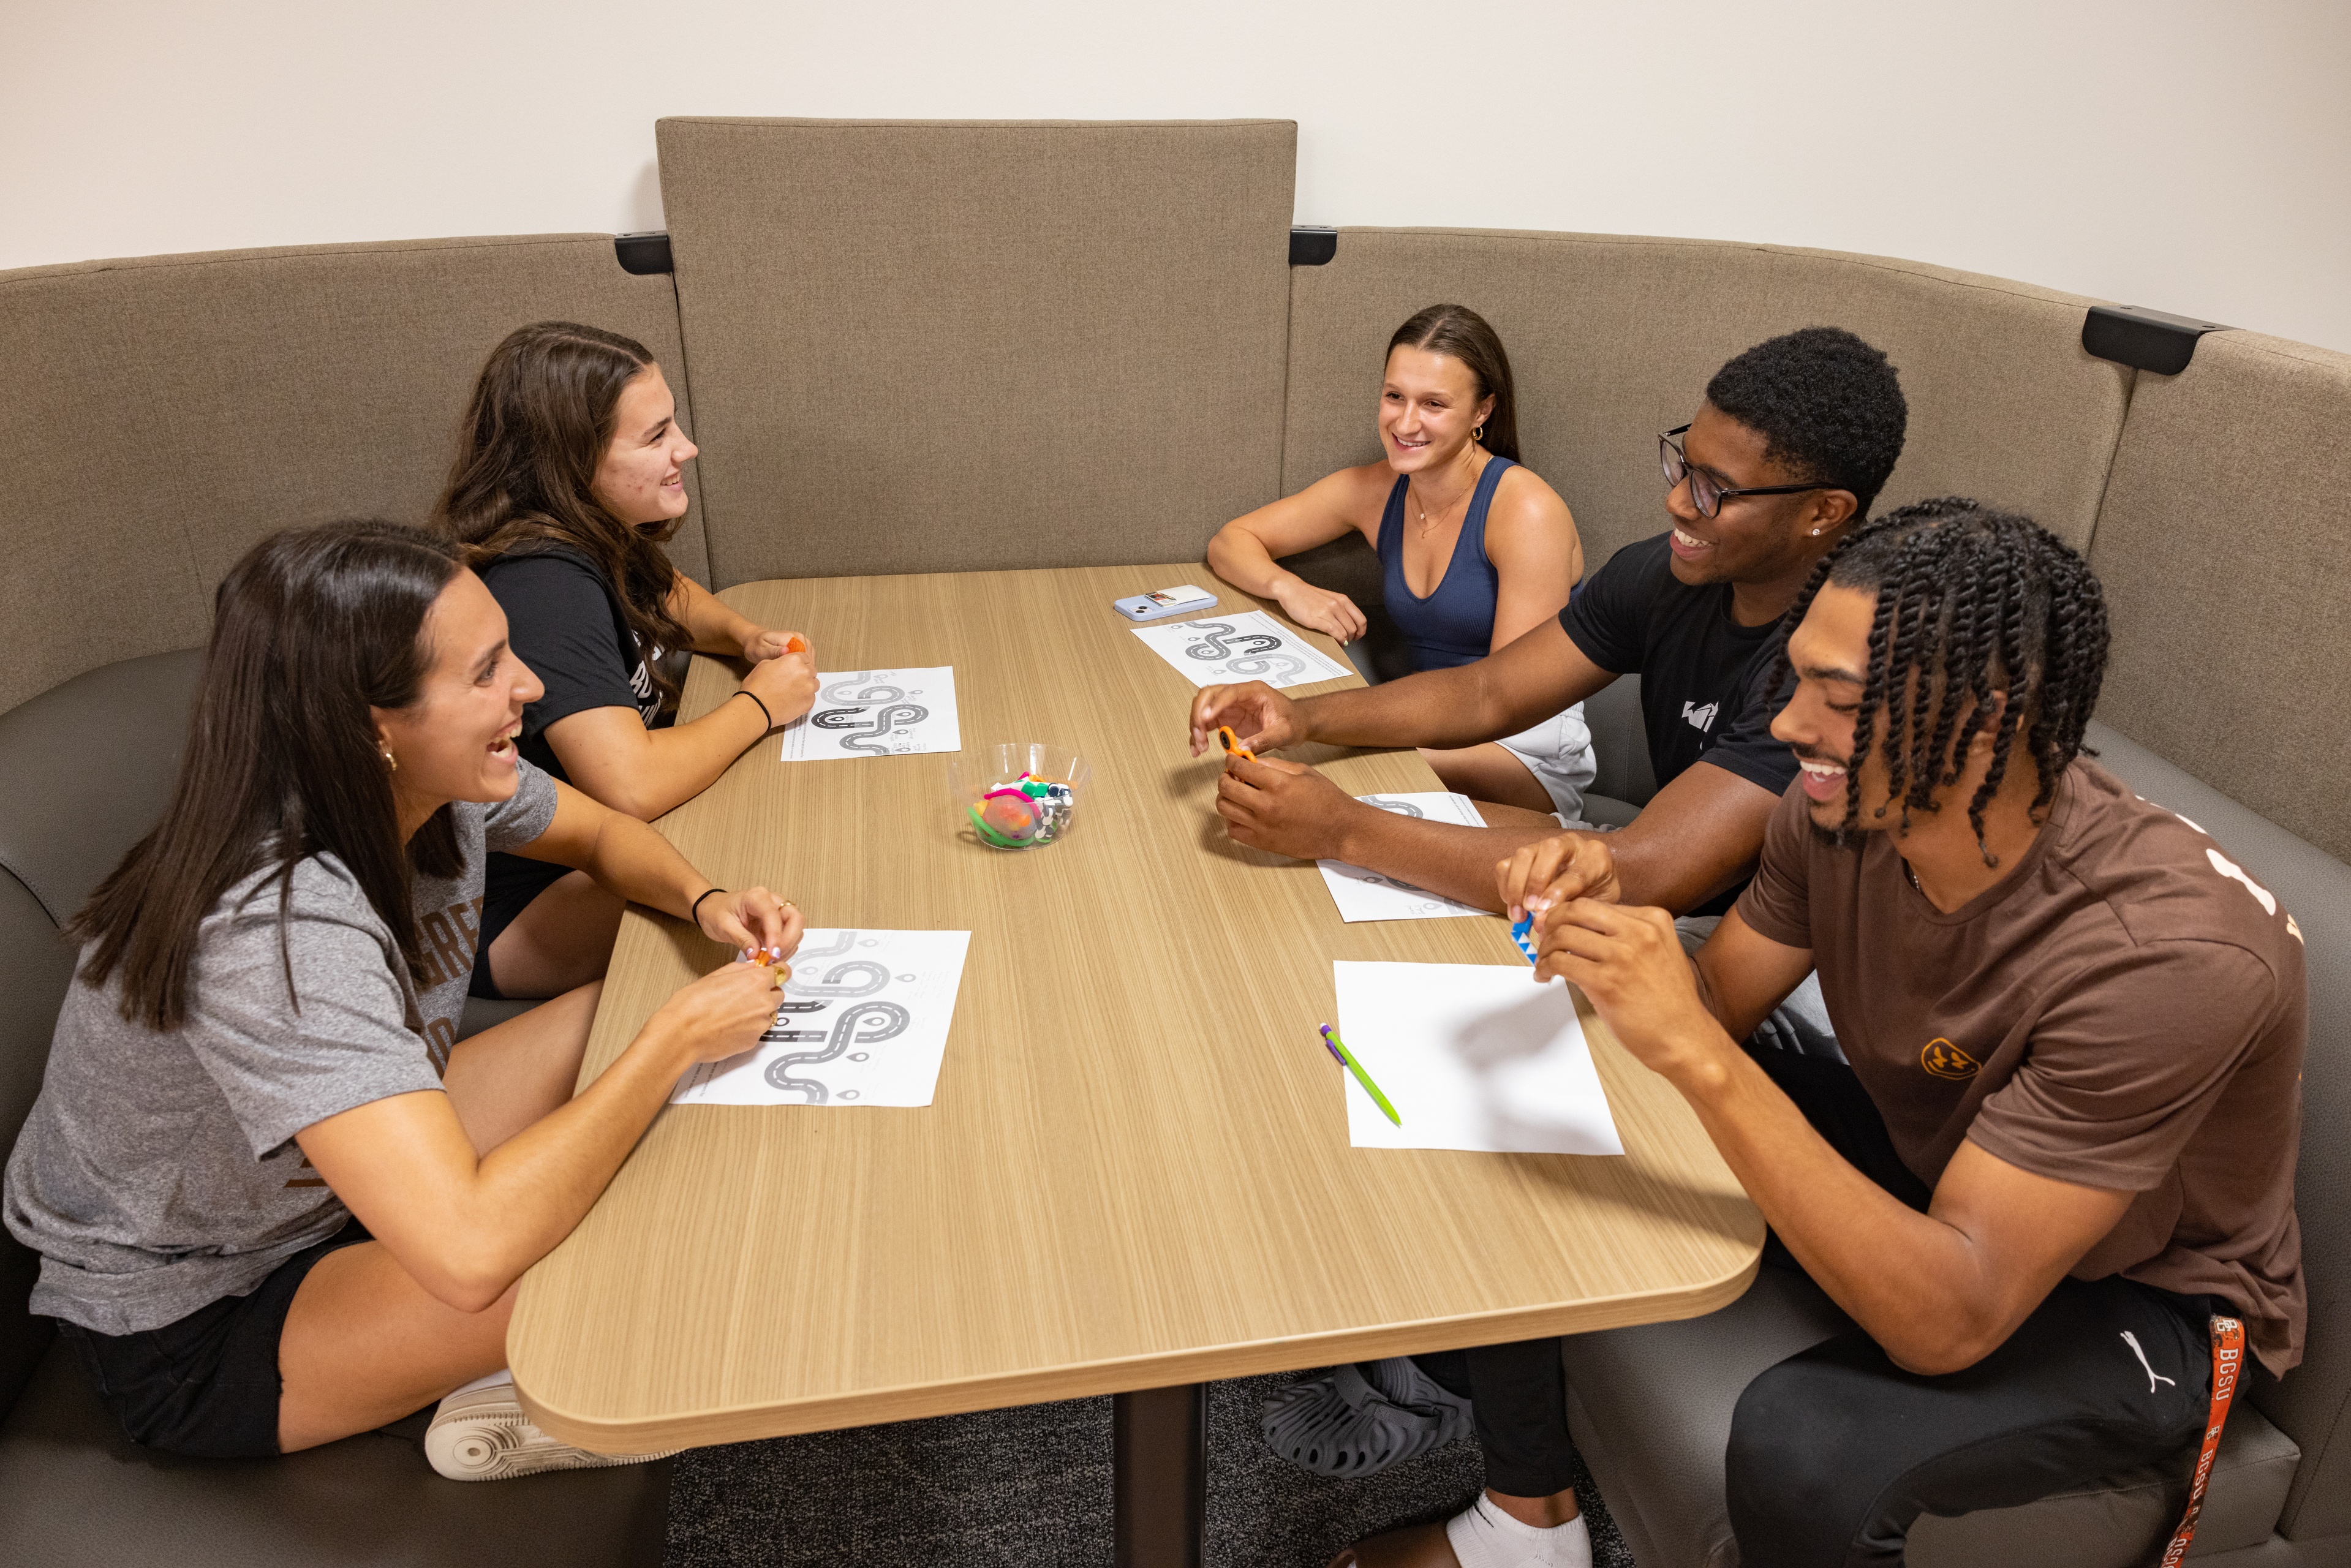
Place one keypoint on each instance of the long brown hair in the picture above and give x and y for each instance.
(311, 630)
(542, 413)
(1460, 333)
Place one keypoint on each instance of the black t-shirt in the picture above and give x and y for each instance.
(1706, 680)
(564, 620)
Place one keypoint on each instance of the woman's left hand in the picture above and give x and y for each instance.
(755, 922)
(763, 644)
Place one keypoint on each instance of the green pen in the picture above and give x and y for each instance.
(1339, 1049)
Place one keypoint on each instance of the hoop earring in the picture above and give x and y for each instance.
(1478, 434)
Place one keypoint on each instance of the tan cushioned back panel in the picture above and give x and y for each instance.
(949, 346)
(2221, 546)
(1612, 340)
(183, 406)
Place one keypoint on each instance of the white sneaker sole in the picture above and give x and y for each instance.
(483, 1436)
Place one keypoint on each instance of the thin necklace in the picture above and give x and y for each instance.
(1428, 527)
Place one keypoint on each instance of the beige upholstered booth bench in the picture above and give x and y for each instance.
(885, 335)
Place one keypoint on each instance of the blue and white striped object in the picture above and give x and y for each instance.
(1520, 937)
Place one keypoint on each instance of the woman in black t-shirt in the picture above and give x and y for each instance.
(569, 477)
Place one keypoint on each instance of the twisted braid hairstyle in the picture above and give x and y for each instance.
(1971, 601)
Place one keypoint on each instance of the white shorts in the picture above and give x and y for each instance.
(1558, 752)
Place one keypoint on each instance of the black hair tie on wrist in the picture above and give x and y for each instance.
(747, 691)
(694, 910)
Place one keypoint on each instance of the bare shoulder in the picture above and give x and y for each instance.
(1523, 498)
(1529, 524)
(1359, 495)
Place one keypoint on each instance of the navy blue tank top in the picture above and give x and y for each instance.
(1455, 624)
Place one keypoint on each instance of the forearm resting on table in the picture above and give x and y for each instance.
(1442, 857)
(466, 1227)
(1939, 1291)
(1239, 556)
(1698, 835)
(609, 754)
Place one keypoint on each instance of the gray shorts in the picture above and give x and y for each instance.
(1558, 752)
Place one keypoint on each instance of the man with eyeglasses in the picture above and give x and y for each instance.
(1794, 440)
(1791, 445)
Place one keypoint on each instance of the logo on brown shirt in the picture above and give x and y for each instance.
(1944, 1060)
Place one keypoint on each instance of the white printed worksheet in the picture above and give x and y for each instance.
(1367, 896)
(1221, 650)
(863, 1021)
(877, 712)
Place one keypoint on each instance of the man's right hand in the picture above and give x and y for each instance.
(786, 683)
(723, 1013)
(1548, 873)
(1262, 719)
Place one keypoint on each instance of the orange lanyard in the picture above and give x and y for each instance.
(2228, 1364)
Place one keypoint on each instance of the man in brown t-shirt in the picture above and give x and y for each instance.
(2075, 1032)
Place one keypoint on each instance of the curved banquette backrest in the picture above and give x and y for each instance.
(186, 406)
(86, 769)
(1612, 339)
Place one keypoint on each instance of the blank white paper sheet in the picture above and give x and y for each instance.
(1222, 650)
(877, 712)
(1367, 896)
(863, 1021)
(1472, 1056)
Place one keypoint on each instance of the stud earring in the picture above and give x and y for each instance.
(391, 762)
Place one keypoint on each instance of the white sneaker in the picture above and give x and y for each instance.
(480, 1434)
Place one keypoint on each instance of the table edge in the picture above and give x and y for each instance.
(873, 1406)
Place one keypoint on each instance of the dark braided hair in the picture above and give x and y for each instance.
(1979, 600)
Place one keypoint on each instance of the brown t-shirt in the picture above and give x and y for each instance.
(2123, 1010)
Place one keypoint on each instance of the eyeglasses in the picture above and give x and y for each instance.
(1707, 494)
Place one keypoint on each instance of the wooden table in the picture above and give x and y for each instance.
(1135, 1174)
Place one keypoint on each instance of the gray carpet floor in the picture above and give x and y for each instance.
(1031, 1489)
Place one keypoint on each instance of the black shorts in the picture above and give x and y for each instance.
(508, 885)
(207, 1385)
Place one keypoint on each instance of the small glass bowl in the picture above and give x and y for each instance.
(1017, 794)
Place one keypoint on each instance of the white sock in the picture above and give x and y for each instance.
(1483, 1536)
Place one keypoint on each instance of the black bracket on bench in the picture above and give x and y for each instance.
(1312, 246)
(643, 254)
(2144, 340)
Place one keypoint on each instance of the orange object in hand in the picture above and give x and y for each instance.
(1232, 743)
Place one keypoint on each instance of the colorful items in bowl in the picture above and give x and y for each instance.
(1017, 795)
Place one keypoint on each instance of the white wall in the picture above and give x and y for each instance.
(2194, 157)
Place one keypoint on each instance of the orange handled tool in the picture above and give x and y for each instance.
(1232, 743)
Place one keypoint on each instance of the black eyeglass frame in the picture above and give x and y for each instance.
(1670, 458)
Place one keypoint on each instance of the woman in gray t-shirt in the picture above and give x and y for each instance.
(260, 1043)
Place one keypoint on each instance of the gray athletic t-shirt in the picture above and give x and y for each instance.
(158, 1172)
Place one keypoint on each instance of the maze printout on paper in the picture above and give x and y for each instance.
(877, 712)
(1224, 649)
(1364, 894)
(863, 1021)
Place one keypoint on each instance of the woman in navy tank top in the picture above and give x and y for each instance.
(1474, 550)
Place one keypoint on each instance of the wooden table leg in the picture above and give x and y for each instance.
(1159, 1476)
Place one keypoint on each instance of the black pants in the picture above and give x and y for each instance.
(1834, 1451)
